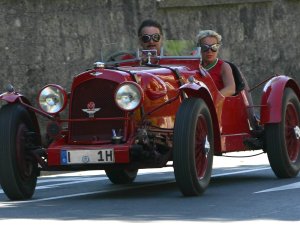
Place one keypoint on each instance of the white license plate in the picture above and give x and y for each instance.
(87, 156)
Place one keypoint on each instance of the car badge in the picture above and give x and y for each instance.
(91, 110)
(96, 73)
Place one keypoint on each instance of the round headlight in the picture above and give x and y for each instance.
(52, 99)
(128, 96)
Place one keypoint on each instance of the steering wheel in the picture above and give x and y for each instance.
(122, 55)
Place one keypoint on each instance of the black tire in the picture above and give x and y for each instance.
(18, 168)
(282, 140)
(192, 158)
(121, 176)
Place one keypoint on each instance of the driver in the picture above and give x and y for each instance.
(150, 38)
(150, 35)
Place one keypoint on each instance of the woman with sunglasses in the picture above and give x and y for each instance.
(150, 35)
(220, 71)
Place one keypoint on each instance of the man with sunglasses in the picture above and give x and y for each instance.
(220, 71)
(150, 35)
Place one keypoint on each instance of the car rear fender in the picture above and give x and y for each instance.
(271, 101)
(201, 91)
(16, 98)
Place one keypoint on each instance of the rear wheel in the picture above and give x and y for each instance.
(193, 147)
(282, 140)
(121, 176)
(18, 168)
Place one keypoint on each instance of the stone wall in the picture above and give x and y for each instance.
(46, 41)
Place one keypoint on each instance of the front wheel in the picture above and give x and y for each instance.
(121, 176)
(193, 147)
(18, 168)
(282, 140)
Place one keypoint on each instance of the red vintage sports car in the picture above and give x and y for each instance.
(142, 110)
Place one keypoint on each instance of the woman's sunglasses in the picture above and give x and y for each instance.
(147, 37)
(205, 48)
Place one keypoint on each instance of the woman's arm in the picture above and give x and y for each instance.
(228, 80)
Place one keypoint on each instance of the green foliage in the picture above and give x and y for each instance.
(179, 47)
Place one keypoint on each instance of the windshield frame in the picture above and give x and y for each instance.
(139, 55)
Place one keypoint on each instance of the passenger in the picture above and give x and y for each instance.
(220, 71)
(150, 35)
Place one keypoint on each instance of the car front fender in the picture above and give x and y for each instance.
(11, 97)
(271, 101)
(200, 90)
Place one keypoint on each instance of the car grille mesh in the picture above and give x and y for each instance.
(101, 92)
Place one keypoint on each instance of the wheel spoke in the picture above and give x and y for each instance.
(292, 142)
(200, 152)
(22, 156)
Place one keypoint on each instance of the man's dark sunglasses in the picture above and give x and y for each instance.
(147, 37)
(205, 48)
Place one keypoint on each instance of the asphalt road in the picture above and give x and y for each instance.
(242, 190)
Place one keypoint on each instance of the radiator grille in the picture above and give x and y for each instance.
(101, 92)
